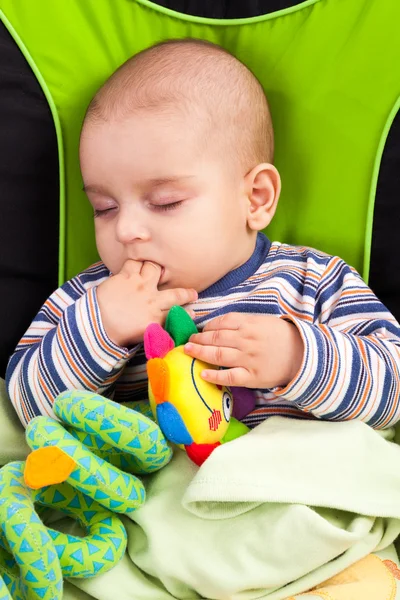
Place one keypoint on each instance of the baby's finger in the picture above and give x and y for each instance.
(190, 312)
(228, 321)
(180, 296)
(151, 272)
(215, 355)
(131, 267)
(218, 337)
(237, 376)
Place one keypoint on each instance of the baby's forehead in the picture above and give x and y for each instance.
(188, 73)
(215, 95)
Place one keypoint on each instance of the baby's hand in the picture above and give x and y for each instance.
(130, 300)
(260, 351)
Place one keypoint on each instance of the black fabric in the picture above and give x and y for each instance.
(385, 255)
(227, 9)
(29, 197)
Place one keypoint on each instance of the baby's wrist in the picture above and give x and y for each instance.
(124, 337)
(116, 334)
(294, 354)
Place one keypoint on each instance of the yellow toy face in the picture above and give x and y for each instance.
(204, 408)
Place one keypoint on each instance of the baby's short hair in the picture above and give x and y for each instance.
(203, 79)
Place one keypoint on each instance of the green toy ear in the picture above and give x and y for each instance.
(180, 325)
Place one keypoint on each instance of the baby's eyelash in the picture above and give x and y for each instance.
(100, 213)
(165, 207)
(156, 207)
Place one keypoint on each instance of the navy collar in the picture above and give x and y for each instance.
(239, 275)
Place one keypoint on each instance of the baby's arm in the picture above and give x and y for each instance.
(66, 347)
(351, 362)
(81, 337)
(341, 363)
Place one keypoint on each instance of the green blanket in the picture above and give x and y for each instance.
(269, 515)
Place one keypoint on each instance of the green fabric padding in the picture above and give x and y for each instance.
(330, 69)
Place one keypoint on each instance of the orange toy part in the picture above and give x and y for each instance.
(158, 373)
(46, 466)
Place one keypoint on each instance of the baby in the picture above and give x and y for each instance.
(176, 157)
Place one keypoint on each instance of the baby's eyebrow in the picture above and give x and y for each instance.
(158, 181)
(95, 189)
(155, 182)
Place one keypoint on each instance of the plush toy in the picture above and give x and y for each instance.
(34, 557)
(75, 467)
(191, 412)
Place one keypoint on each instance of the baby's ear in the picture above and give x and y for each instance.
(263, 187)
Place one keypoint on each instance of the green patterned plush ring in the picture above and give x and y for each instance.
(4, 593)
(95, 427)
(78, 467)
(82, 467)
(34, 557)
(124, 437)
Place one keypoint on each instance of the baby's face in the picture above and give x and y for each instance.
(159, 195)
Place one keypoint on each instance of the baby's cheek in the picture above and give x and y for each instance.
(110, 255)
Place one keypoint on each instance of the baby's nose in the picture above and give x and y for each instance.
(130, 228)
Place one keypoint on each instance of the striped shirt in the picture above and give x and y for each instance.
(351, 364)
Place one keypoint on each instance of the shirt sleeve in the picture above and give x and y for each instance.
(351, 363)
(66, 347)
(132, 385)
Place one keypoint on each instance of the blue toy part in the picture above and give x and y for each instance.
(172, 424)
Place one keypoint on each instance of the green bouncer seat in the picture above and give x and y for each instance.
(333, 98)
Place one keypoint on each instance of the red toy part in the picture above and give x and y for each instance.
(198, 453)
